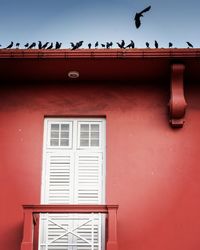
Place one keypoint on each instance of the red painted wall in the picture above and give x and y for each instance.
(153, 170)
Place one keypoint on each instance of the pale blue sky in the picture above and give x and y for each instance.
(104, 20)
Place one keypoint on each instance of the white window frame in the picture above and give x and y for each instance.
(46, 147)
(79, 132)
(48, 131)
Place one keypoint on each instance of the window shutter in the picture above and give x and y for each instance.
(60, 177)
(88, 186)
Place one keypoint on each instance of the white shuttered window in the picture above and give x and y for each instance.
(73, 173)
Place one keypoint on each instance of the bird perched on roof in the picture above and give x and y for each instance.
(73, 46)
(50, 46)
(103, 45)
(108, 45)
(189, 45)
(131, 45)
(17, 45)
(89, 45)
(96, 45)
(45, 45)
(77, 45)
(58, 45)
(121, 45)
(147, 45)
(170, 45)
(139, 15)
(26, 45)
(9, 46)
(156, 44)
(32, 45)
(39, 44)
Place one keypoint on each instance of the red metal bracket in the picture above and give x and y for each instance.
(177, 103)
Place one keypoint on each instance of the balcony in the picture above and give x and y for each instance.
(58, 217)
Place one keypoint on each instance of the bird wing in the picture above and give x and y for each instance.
(145, 10)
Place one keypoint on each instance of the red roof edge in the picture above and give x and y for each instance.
(100, 53)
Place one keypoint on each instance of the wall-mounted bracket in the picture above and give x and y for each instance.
(177, 103)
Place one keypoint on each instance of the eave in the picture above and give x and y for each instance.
(97, 64)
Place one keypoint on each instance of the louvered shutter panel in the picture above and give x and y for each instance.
(88, 186)
(60, 177)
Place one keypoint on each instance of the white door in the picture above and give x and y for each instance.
(73, 173)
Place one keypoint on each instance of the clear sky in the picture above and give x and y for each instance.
(103, 20)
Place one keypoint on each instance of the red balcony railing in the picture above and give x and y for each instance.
(31, 211)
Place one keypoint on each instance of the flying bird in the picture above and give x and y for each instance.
(121, 45)
(189, 45)
(10, 45)
(139, 15)
(156, 44)
(131, 45)
(58, 45)
(147, 45)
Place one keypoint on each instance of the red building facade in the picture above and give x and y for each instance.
(152, 175)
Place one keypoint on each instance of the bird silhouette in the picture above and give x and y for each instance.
(39, 44)
(73, 46)
(189, 45)
(50, 46)
(121, 45)
(131, 45)
(58, 45)
(139, 15)
(170, 45)
(79, 44)
(45, 45)
(89, 45)
(108, 45)
(17, 45)
(32, 45)
(103, 45)
(96, 45)
(26, 45)
(156, 44)
(147, 45)
(10, 45)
